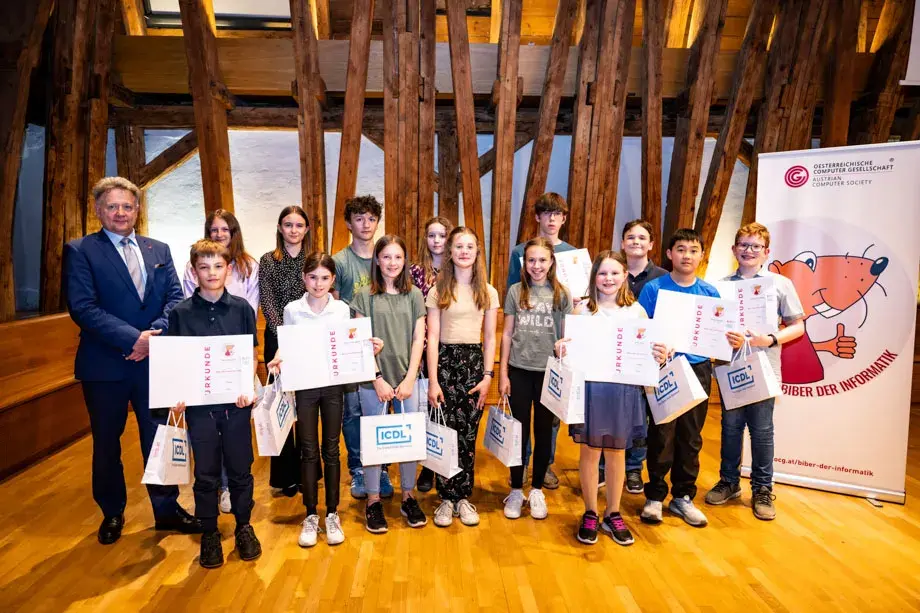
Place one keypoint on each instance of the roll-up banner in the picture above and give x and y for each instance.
(845, 228)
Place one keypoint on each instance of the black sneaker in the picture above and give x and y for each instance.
(425, 480)
(722, 492)
(615, 526)
(634, 483)
(375, 522)
(587, 532)
(247, 545)
(413, 513)
(212, 554)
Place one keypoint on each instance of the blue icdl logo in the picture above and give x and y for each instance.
(178, 451)
(284, 407)
(555, 384)
(740, 378)
(497, 432)
(667, 387)
(435, 444)
(400, 434)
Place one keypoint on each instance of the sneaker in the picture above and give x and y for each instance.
(375, 522)
(444, 514)
(467, 512)
(224, 504)
(615, 526)
(425, 480)
(550, 480)
(413, 513)
(651, 512)
(247, 545)
(683, 507)
(762, 503)
(212, 554)
(601, 478)
(513, 503)
(722, 492)
(309, 531)
(537, 503)
(334, 533)
(634, 483)
(587, 532)
(386, 487)
(358, 489)
(523, 479)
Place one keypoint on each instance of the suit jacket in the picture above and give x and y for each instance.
(103, 302)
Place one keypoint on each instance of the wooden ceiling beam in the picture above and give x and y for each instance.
(748, 72)
(692, 119)
(843, 26)
(319, 9)
(132, 15)
(168, 160)
(678, 22)
(653, 40)
(495, 21)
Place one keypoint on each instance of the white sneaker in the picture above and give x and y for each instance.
(513, 503)
(444, 514)
(683, 507)
(334, 534)
(537, 502)
(225, 506)
(467, 512)
(309, 531)
(651, 512)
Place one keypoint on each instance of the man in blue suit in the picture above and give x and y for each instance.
(120, 288)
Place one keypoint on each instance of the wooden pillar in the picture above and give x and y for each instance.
(749, 70)
(132, 15)
(22, 25)
(653, 35)
(461, 72)
(130, 158)
(678, 22)
(211, 102)
(310, 88)
(65, 144)
(506, 88)
(426, 133)
(448, 182)
(841, 64)
(408, 122)
(692, 120)
(391, 116)
(538, 170)
(355, 85)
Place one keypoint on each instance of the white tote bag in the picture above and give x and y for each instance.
(393, 438)
(273, 418)
(168, 462)
(503, 435)
(678, 391)
(749, 378)
(443, 452)
(563, 391)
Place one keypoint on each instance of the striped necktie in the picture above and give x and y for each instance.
(134, 267)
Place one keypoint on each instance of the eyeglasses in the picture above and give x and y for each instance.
(753, 247)
(127, 208)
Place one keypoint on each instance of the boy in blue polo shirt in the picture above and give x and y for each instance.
(675, 446)
(220, 434)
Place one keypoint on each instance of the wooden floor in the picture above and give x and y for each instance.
(824, 552)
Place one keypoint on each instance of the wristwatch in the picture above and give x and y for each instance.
(775, 342)
(490, 373)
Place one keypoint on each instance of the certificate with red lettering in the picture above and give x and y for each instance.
(697, 324)
(321, 353)
(614, 349)
(757, 303)
(200, 370)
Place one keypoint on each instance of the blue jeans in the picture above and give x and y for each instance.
(552, 447)
(758, 418)
(635, 456)
(351, 429)
(370, 406)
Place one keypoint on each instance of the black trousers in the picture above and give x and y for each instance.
(675, 446)
(326, 403)
(107, 403)
(221, 435)
(526, 386)
(284, 469)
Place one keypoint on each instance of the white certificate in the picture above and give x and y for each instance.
(697, 324)
(757, 303)
(323, 353)
(613, 349)
(199, 370)
(573, 270)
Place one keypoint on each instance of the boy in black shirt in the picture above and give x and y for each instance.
(218, 431)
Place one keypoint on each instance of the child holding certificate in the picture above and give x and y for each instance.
(462, 312)
(675, 447)
(614, 412)
(220, 434)
(397, 313)
(535, 310)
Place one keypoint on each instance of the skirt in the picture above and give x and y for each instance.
(614, 416)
